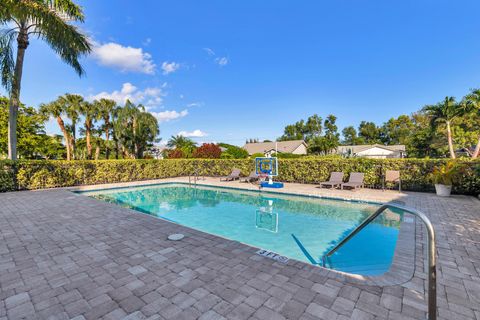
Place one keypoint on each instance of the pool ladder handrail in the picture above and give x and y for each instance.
(432, 264)
(195, 178)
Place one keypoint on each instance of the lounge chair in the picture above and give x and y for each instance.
(336, 179)
(235, 175)
(252, 177)
(392, 176)
(354, 181)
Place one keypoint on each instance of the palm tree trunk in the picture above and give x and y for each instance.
(61, 124)
(107, 137)
(97, 152)
(88, 138)
(22, 44)
(450, 141)
(73, 138)
(476, 152)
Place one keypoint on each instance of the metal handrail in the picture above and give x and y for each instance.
(195, 178)
(432, 265)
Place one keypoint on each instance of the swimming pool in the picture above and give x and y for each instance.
(279, 223)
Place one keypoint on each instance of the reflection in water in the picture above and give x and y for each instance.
(318, 223)
(266, 219)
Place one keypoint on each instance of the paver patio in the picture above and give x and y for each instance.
(65, 256)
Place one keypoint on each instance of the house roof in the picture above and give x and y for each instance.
(282, 146)
(363, 147)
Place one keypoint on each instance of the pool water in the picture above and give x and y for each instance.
(268, 221)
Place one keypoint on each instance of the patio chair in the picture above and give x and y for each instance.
(354, 181)
(392, 176)
(252, 177)
(235, 175)
(336, 179)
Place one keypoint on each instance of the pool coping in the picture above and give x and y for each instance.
(401, 269)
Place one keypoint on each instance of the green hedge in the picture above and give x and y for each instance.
(47, 174)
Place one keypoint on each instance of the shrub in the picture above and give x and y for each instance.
(257, 155)
(207, 151)
(234, 151)
(175, 154)
(46, 174)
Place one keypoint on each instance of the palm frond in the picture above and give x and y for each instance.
(67, 7)
(65, 39)
(7, 63)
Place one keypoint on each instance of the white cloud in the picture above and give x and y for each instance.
(170, 67)
(127, 59)
(147, 42)
(195, 104)
(193, 134)
(223, 61)
(209, 51)
(168, 115)
(150, 97)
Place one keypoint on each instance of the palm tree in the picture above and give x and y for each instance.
(180, 142)
(114, 120)
(472, 101)
(47, 20)
(105, 109)
(134, 129)
(445, 112)
(90, 113)
(73, 104)
(57, 109)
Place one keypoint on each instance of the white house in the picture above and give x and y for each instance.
(268, 148)
(377, 151)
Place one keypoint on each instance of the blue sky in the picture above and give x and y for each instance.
(230, 70)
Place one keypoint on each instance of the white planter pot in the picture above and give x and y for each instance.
(443, 190)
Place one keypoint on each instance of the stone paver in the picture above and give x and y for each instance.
(68, 256)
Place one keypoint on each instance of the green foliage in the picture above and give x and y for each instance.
(33, 143)
(446, 173)
(350, 136)
(287, 155)
(415, 173)
(257, 155)
(234, 151)
(369, 132)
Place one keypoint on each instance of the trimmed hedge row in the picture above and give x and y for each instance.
(23, 175)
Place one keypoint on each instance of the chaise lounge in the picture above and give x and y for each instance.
(235, 175)
(336, 179)
(355, 181)
(252, 177)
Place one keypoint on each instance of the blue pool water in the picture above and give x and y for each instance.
(267, 221)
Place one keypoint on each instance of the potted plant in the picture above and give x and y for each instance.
(443, 177)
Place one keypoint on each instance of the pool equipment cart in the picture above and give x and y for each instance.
(268, 166)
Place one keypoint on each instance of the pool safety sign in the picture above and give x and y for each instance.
(272, 255)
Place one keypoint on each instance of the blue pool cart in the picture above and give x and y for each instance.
(268, 166)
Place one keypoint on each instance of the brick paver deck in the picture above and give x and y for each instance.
(65, 256)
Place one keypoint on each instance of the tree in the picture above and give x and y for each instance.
(56, 109)
(350, 136)
(73, 105)
(302, 130)
(105, 108)
(90, 112)
(397, 131)
(369, 132)
(329, 141)
(208, 150)
(180, 142)
(472, 101)
(47, 20)
(444, 113)
(234, 151)
(135, 130)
